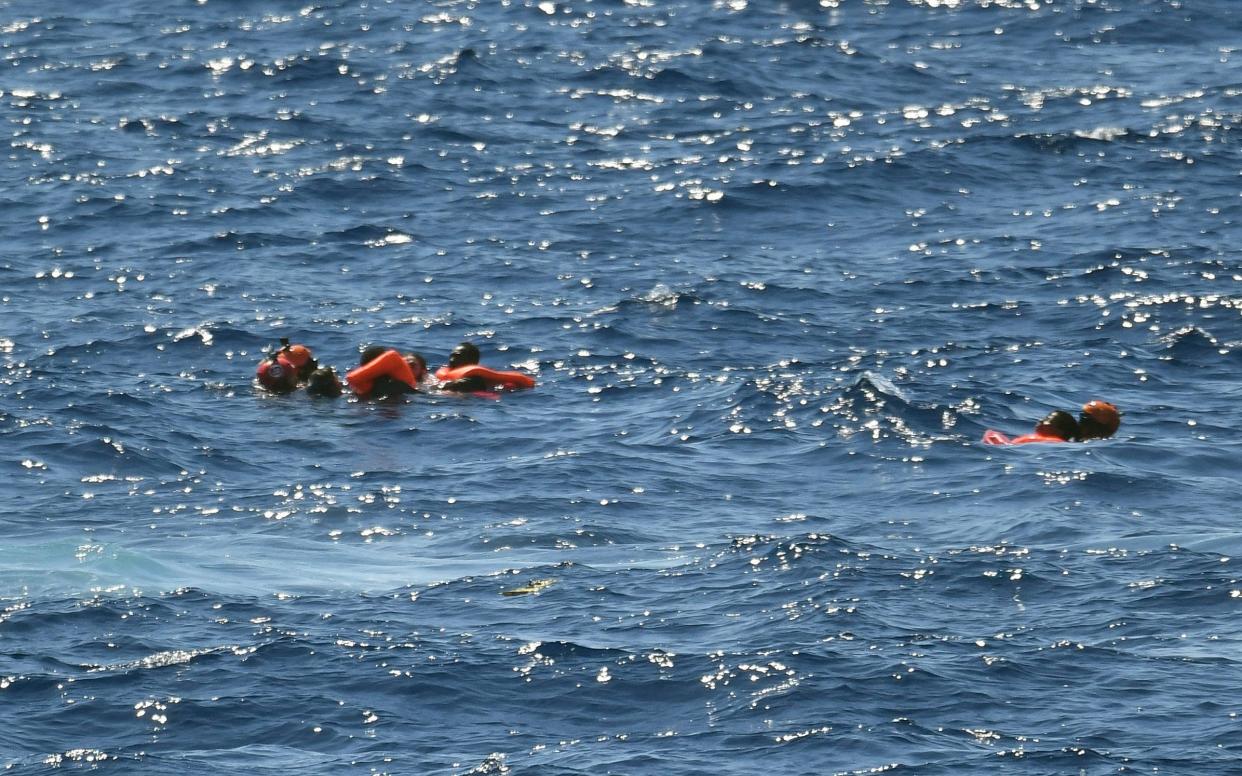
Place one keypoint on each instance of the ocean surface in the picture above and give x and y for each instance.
(776, 266)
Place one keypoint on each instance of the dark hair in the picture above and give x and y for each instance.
(370, 353)
(1099, 420)
(1060, 423)
(464, 354)
(417, 358)
(1090, 428)
(323, 382)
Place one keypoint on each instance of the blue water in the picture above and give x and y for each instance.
(776, 266)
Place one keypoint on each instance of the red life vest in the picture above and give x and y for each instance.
(277, 374)
(283, 369)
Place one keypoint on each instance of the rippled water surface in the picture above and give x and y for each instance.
(775, 265)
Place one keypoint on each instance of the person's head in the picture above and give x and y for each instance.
(465, 354)
(1059, 424)
(301, 358)
(324, 382)
(370, 353)
(417, 363)
(276, 375)
(1099, 420)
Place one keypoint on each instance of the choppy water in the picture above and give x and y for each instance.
(776, 265)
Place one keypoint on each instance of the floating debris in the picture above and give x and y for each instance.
(533, 588)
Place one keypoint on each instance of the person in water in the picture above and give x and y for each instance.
(418, 365)
(284, 369)
(465, 354)
(1098, 420)
(464, 374)
(384, 373)
(324, 383)
(1058, 425)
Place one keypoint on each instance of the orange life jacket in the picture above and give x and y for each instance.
(993, 437)
(276, 374)
(496, 380)
(390, 364)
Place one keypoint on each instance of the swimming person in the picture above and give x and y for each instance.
(384, 373)
(324, 383)
(418, 365)
(1098, 420)
(465, 354)
(301, 358)
(1057, 426)
(464, 374)
(286, 368)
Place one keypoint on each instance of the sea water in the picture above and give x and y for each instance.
(775, 265)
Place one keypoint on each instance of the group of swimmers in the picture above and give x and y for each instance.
(1098, 420)
(383, 373)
